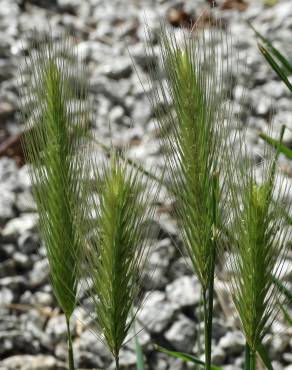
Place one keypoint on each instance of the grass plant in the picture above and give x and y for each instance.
(101, 232)
(261, 243)
(195, 119)
(117, 251)
(56, 117)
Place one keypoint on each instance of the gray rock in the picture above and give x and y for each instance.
(275, 89)
(43, 299)
(7, 201)
(287, 357)
(182, 334)
(218, 356)
(85, 359)
(14, 341)
(57, 328)
(89, 342)
(157, 312)
(158, 263)
(33, 323)
(180, 267)
(39, 274)
(23, 178)
(231, 367)
(128, 358)
(28, 243)
(116, 115)
(20, 225)
(119, 67)
(142, 112)
(15, 283)
(176, 364)
(6, 296)
(8, 174)
(93, 50)
(69, 5)
(8, 268)
(28, 362)
(25, 202)
(232, 343)
(184, 291)
(22, 260)
(141, 57)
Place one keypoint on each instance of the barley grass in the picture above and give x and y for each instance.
(195, 120)
(262, 241)
(116, 254)
(56, 119)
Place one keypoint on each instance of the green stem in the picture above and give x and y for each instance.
(208, 299)
(117, 363)
(70, 348)
(247, 357)
(200, 317)
(208, 319)
(250, 358)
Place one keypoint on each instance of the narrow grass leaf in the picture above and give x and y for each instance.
(265, 357)
(139, 355)
(282, 288)
(286, 314)
(185, 357)
(277, 54)
(276, 67)
(276, 144)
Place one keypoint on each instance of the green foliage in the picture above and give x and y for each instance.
(275, 58)
(116, 253)
(185, 357)
(194, 119)
(275, 143)
(262, 241)
(139, 354)
(56, 122)
(193, 133)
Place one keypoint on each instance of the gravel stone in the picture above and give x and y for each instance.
(18, 226)
(182, 334)
(7, 201)
(157, 312)
(39, 274)
(6, 296)
(27, 362)
(232, 343)
(117, 68)
(185, 291)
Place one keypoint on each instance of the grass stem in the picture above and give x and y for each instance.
(250, 358)
(208, 320)
(70, 348)
(117, 363)
(247, 357)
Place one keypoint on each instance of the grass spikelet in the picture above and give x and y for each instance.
(262, 241)
(194, 130)
(117, 252)
(56, 123)
(195, 120)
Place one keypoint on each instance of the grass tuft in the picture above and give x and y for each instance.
(56, 117)
(117, 248)
(262, 237)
